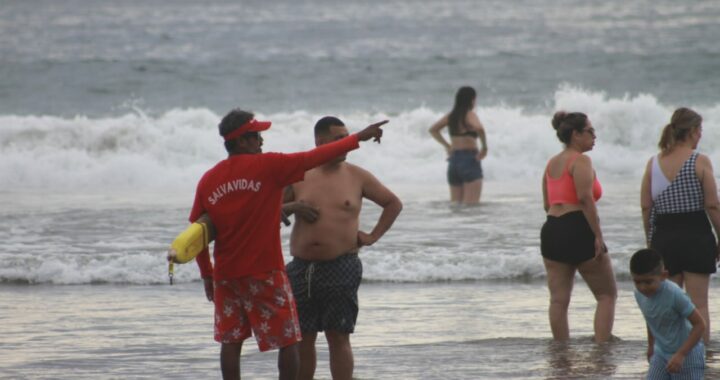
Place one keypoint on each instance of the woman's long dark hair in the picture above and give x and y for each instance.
(463, 104)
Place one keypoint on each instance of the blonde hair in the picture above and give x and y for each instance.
(683, 122)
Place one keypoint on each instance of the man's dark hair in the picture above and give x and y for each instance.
(231, 122)
(322, 127)
(646, 261)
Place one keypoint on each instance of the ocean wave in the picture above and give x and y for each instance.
(171, 150)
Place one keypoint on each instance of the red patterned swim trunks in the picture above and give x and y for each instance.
(260, 305)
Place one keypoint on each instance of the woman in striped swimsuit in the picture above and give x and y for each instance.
(677, 196)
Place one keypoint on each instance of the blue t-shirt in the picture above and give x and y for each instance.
(666, 314)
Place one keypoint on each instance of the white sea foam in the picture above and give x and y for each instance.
(171, 150)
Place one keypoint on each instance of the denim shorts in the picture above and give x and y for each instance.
(463, 167)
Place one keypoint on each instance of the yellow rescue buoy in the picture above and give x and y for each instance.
(189, 243)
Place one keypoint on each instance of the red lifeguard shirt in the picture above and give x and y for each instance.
(243, 196)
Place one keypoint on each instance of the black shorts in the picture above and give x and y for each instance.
(686, 242)
(567, 238)
(326, 292)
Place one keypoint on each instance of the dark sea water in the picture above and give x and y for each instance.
(97, 57)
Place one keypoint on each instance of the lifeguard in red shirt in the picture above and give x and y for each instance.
(243, 196)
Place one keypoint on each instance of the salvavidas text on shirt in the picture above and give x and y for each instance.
(234, 185)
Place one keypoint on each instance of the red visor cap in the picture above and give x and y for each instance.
(251, 126)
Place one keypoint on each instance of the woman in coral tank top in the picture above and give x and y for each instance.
(571, 238)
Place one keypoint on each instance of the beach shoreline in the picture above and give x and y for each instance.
(465, 329)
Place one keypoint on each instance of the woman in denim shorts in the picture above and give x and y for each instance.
(464, 171)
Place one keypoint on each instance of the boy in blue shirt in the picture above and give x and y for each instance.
(675, 327)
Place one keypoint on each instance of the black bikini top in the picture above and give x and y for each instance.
(465, 133)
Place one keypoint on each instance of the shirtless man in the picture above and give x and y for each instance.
(242, 196)
(325, 272)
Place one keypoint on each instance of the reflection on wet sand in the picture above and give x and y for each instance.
(582, 357)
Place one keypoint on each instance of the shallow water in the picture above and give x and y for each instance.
(120, 238)
(461, 330)
(448, 293)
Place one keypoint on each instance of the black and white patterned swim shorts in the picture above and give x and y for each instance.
(326, 292)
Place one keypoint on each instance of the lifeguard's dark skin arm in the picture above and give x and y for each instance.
(303, 210)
